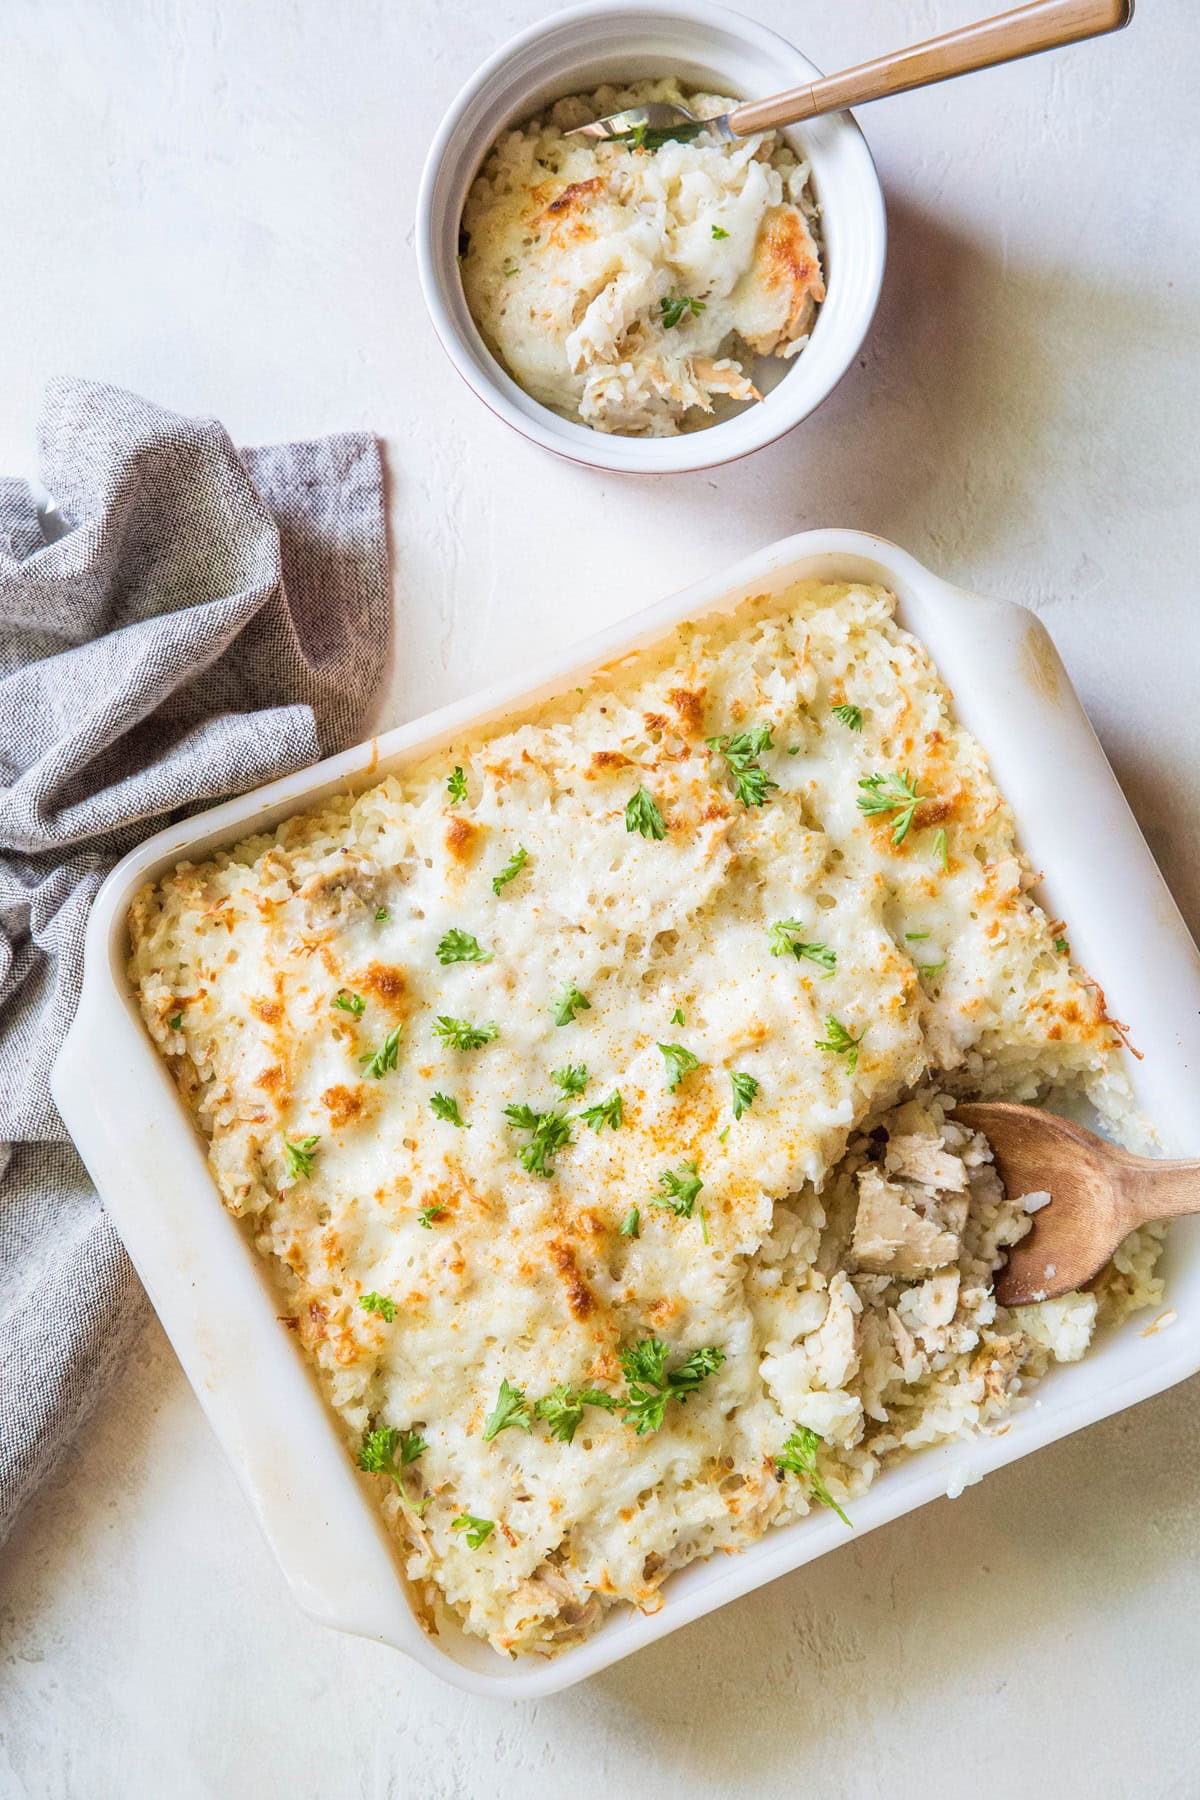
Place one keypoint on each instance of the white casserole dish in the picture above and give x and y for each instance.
(212, 1291)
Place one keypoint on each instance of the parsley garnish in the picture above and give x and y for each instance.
(931, 968)
(299, 1156)
(744, 1089)
(751, 783)
(175, 1022)
(799, 1457)
(347, 1001)
(680, 1062)
(457, 1034)
(679, 1190)
(460, 946)
(677, 1017)
(651, 1384)
(382, 915)
(850, 716)
(378, 1062)
(719, 231)
(914, 937)
(378, 1303)
(511, 1408)
(456, 784)
(551, 1132)
(445, 1106)
(511, 869)
(378, 1456)
(641, 814)
(783, 939)
(675, 307)
(477, 1531)
(941, 847)
(841, 1043)
(631, 1224)
(653, 137)
(572, 1079)
(1060, 944)
(610, 1112)
(563, 1409)
(570, 1002)
(428, 1214)
(891, 793)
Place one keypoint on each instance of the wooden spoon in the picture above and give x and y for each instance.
(1098, 1194)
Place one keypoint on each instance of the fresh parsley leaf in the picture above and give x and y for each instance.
(445, 1106)
(840, 1042)
(631, 1224)
(456, 784)
(641, 814)
(651, 1386)
(610, 1112)
(680, 1188)
(382, 915)
(378, 1062)
(550, 1133)
(569, 1003)
(914, 937)
(511, 869)
(653, 137)
(476, 1531)
(677, 1017)
(458, 1034)
(378, 1303)
(1060, 944)
(461, 946)
(941, 847)
(572, 1079)
(378, 1456)
(744, 1089)
(799, 1457)
(349, 1002)
(675, 307)
(849, 716)
(299, 1155)
(511, 268)
(511, 1408)
(783, 938)
(563, 1409)
(428, 1214)
(751, 783)
(891, 793)
(176, 1021)
(719, 231)
(931, 968)
(680, 1062)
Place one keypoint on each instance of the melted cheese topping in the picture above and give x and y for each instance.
(496, 1272)
(621, 285)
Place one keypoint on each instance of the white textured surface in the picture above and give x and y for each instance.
(213, 204)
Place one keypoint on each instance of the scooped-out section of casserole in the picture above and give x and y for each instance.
(588, 1089)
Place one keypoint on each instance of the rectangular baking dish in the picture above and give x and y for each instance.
(213, 1294)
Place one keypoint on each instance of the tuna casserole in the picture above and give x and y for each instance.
(586, 1090)
(630, 285)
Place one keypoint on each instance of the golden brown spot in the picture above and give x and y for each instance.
(577, 193)
(345, 1104)
(1054, 1032)
(272, 1079)
(785, 256)
(508, 1534)
(655, 721)
(460, 838)
(580, 1298)
(663, 1311)
(269, 1011)
(606, 759)
(689, 704)
(387, 985)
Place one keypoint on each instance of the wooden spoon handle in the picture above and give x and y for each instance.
(1158, 1190)
(1043, 26)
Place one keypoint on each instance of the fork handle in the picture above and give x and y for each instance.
(1043, 26)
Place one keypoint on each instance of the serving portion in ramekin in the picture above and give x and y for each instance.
(706, 48)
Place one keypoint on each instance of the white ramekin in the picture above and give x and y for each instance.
(712, 47)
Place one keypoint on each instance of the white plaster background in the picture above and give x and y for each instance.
(212, 202)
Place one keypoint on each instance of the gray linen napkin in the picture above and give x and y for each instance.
(209, 620)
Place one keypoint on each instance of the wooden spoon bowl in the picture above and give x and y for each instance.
(1098, 1195)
